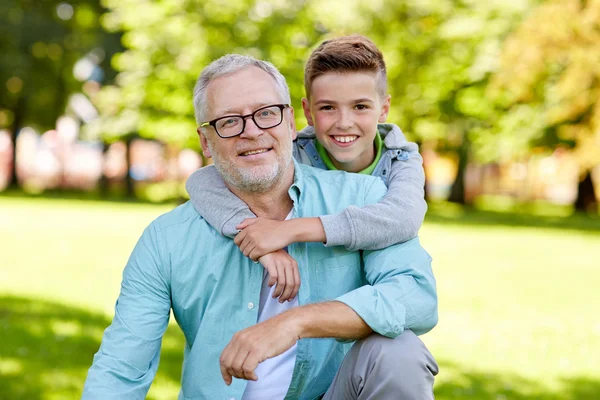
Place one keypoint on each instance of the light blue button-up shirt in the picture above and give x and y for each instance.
(182, 263)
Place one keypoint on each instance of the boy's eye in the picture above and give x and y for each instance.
(361, 106)
(326, 108)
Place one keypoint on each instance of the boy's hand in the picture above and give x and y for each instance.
(260, 236)
(283, 271)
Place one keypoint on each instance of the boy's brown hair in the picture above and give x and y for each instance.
(353, 53)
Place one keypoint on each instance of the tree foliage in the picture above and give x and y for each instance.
(169, 46)
(41, 42)
(439, 55)
(549, 73)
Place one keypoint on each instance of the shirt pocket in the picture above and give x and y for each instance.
(335, 276)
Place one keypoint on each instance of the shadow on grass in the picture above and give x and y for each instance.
(46, 349)
(484, 386)
(452, 214)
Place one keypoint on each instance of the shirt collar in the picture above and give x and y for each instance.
(367, 171)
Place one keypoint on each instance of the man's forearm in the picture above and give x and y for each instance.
(332, 319)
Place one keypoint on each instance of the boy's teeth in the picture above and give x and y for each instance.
(249, 153)
(345, 139)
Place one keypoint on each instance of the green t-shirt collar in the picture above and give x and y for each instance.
(367, 171)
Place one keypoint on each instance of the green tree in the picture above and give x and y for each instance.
(42, 41)
(440, 58)
(549, 72)
(167, 44)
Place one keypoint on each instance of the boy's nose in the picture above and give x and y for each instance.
(345, 121)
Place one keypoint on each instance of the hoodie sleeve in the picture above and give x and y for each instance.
(397, 218)
(215, 203)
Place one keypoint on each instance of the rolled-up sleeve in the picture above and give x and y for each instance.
(401, 290)
(401, 293)
(125, 364)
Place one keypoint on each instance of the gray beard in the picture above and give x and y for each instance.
(258, 180)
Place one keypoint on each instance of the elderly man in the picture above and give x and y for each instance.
(240, 342)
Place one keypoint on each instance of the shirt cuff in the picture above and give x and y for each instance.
(384, 318)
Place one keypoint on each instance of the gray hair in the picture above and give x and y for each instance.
(229, 64)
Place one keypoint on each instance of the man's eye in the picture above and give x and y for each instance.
(229, 122)
(266, 113)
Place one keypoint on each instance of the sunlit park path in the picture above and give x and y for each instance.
(518, 300)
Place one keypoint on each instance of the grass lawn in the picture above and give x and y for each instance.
(518, 296)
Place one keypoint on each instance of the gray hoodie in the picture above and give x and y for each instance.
(395, 219)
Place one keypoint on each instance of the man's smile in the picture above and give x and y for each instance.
(253, 152)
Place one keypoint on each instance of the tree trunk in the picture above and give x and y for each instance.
(103, 181)
(457, 192)
(129, 183)
(19, 115)
(586, 197)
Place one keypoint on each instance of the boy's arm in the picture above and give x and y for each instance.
(126, 363)
(401, 290)
(395, 219)
(215, 203)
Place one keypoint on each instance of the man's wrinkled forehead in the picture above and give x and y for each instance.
(241, 92)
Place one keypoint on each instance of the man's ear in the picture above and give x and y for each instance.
(293, 123)
(385, 109)
(204, 143)
(306, 109)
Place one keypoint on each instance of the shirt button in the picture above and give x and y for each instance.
(250, 306)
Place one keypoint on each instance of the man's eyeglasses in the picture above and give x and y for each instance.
(233, 125)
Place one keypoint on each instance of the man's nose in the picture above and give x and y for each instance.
(251, 130)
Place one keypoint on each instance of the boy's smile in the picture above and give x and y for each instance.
(344, 108)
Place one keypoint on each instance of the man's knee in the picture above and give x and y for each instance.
(404, 352)
(403, 362)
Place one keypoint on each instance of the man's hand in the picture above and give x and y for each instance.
(255, 344)
(260, 236)
(283, 271)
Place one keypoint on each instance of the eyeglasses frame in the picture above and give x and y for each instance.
(213, 122)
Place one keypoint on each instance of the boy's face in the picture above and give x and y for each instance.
(344, 108)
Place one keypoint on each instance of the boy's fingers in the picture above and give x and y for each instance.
(296, 280)
(280, 282)
(245, 223)
(272, 276)
(247, 250)
(289, 286)
(239, 238)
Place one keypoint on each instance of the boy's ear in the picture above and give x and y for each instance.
(204, 143)
(385, 108)
(306, 109)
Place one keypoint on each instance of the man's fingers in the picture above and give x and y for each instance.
(250, 365)
(224, 362)
(237, 366)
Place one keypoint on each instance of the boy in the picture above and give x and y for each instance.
(346, 105)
